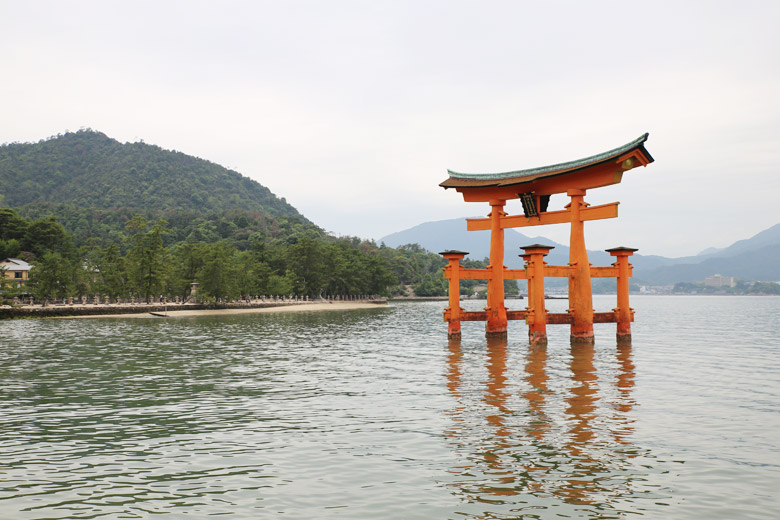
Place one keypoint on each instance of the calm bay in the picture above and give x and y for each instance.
(374, 414)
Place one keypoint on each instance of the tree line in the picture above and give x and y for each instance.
(149, 258)
(134, 219)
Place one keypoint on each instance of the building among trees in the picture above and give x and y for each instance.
(718, 280)
(16, 272)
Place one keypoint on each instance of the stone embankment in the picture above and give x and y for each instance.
(63, 310)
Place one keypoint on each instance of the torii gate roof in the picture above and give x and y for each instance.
(590, 172)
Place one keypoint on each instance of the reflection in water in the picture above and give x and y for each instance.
(582, 402)
(495, 394)
(530, 445)
(495, 397)
(453, 386)
(625, 403)
(581, 411)
(539, 424)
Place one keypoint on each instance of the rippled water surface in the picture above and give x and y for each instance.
(374, 414)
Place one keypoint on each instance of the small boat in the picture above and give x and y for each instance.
(159, 314)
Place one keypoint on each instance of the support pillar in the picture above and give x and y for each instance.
(625, 313)
(526, 261)
(580, 291)
(496, 311)
(453, 312)
(537, 314)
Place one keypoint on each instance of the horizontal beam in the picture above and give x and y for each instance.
(551, 318)
(485, 274)
(559, 318)
(482, 315)
(516, 315)
(473, 274)
(605, 317)
(557, 271)
(604, 175)
(473, 316)
(515, 274)
(603, 272)
(549, 217)
(550, 271)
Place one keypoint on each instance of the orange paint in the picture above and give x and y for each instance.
(452, 314)
(537, 314)
(534, 187)
(549, 217)
(598, 177)
(496, 311)
(580, 293)
(625, 314)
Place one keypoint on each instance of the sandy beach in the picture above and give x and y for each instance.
(295, 307)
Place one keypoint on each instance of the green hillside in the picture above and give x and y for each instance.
(94, 185)
(97, 216)
(89, 169)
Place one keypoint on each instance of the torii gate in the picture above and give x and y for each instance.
(534, 188)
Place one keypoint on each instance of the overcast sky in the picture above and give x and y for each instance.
(354, 111)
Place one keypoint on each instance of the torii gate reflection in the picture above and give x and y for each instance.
(520, 447)
(534, 188)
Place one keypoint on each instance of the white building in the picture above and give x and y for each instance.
(720, 281)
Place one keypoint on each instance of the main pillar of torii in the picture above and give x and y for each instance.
(534, 188)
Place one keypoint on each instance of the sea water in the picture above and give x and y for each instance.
(375, 414)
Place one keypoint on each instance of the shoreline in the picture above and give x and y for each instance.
(176, 310)
(294, 307)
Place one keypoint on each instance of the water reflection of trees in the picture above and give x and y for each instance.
(527, 440)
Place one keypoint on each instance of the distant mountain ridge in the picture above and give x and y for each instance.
(451, 234)
(89, 169)
(753, 259)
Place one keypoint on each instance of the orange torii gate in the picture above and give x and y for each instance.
(534, 188)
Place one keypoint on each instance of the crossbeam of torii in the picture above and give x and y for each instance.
(534, 188)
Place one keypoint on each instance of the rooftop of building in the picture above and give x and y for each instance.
(15, 264)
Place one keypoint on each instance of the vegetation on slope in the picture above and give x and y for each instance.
(87, 169)
(99, 217)
(146, 260)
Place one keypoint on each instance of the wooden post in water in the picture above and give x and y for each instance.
(580, 291)
(495, 326)
(537, 314)
(452, 272)
(625, 314)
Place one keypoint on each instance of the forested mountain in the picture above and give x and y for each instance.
(94, 185)
(95, 216)
(89, 169)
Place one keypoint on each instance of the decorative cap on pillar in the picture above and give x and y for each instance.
(528, 249)
(622, 250)
(453, 253)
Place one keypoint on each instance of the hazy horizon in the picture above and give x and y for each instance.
(354, 111)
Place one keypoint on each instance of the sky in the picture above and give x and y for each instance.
(354, 110)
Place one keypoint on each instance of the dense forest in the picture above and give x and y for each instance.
(87, 169)
(95, 216)
(146, 261)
